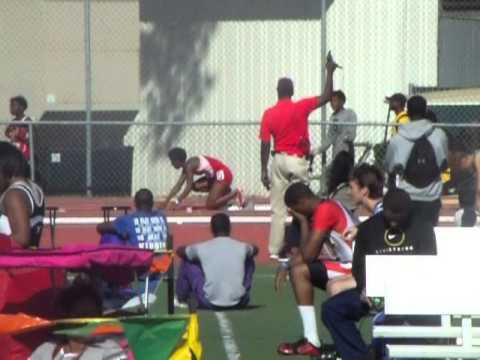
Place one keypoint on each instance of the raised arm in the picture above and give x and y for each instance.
(328, 89)
(310, 242)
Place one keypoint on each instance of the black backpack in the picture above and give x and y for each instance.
(422, 168)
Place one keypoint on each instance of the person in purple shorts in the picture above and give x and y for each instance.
(217, 273)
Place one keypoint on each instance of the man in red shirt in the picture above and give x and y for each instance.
(322, 222)
(287, 123)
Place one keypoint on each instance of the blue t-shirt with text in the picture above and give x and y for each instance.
(145, 230)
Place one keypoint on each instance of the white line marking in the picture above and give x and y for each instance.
(226, 331)
(264, 276)
(197, 220)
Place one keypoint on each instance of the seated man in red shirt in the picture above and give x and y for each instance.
(322, 222)
(215, 179)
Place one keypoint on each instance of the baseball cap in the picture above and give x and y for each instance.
(399, 97)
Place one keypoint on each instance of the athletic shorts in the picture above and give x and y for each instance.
(223, 175)
(323, 271)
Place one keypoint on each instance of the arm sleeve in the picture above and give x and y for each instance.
(265, 133)
(121, 225)
(359, 253)
(309, 104)
(330, 138)
(444, 146)
(427, 244)
(191, 252)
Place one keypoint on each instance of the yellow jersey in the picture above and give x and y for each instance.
(401, 119)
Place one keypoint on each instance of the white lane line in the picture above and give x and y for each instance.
(264, 276)
(226, 331)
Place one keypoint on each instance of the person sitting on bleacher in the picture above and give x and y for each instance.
(217, 273)
(146, 228)
(395, 231)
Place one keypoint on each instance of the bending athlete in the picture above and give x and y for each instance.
(215, 178)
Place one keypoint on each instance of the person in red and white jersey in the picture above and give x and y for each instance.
(18, 134)
(366, 189)
(322, 255)
(214, 178)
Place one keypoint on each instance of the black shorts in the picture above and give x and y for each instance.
(318, 274)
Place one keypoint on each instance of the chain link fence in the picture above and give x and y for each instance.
(126, 155)
(112, 85)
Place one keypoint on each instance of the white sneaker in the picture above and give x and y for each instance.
(179, 304)
(274, 257)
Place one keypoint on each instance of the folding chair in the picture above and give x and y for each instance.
(52, 222)
(108, 210)
(169, 277)
(161, 265)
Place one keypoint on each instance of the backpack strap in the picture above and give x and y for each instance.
(338, 189)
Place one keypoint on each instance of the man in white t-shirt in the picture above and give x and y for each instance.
(217, 273)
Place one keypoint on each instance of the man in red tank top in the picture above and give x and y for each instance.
(215, 178)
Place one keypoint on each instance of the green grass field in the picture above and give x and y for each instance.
(272, 318)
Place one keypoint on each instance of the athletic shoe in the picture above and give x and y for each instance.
(240, 198)
(301, 347)
(179, 304)
(274, 257)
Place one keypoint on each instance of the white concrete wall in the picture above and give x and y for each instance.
(383, 45)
